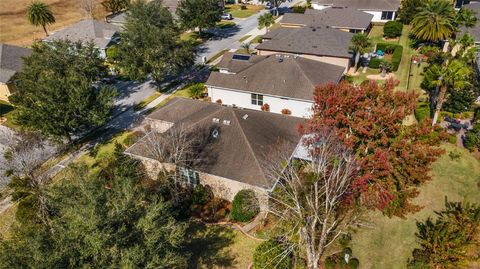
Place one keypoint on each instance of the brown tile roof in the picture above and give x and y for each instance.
(313, 40)
(380, 5)
(334, 17)
(241, 150)
(11, 60)
(278, 75)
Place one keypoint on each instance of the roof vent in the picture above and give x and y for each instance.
(245, 116)
(226, 122)
(216, 120)
(215, 133)
(280, 60)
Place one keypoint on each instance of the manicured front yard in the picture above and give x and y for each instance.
(215, 246)
(237, 12)
(7, 111)
(390, 243)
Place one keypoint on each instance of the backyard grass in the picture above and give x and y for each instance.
(193, 37)
(376, 35)
(15, 29)
(237, 12)
(390, 243)
(214, 246)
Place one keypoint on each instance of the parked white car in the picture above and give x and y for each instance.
(227, 16)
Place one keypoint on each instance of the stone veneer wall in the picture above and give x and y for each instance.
(222, 187)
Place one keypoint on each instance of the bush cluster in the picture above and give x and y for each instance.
(392, 29)
(299, 9)
(375, 63)
(472, 137)
(422, 111)
(396, 50)
(266, 256)
(245, 206)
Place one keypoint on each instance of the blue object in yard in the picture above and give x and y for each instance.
(380, 53)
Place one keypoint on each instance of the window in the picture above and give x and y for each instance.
(188, 175)
(387, 15)
(257, 99)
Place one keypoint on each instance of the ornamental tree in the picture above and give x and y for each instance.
(394, 159)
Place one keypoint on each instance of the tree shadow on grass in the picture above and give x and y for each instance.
(209, 246)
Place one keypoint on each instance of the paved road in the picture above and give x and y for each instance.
(228, 38)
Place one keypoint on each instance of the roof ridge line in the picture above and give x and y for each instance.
(248, 144)
(303, 73)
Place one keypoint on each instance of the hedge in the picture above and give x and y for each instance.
(397, 51)
(375, 63)
(422, 111)
(392, 29)
(267, 254)
(245, 206)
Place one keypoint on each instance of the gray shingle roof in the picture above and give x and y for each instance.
(313, 40)
(240, 152)
(379, 5)
(474, 31)
(278, 75)
(11, 61)
(99, 32)
(334, 17)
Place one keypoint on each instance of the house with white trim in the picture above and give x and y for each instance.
(278, 83)
(382, 10)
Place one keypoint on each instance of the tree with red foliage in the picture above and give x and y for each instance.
(394, 158)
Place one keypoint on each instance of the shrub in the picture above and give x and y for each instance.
(201, 194)
(265, 107)
(472, 137)
(452, 139)
(266, 256)
(454, 155)
(375, 63)
(112, 53)
(196, 90)
(330, 263)
(422, 111)
(243, 7)
(286, 111)
(392, 29)
(394, 49)
(353, 263)
(245, 206)
(397, 57)
(299, 9)
(219, 101)
(133, 138)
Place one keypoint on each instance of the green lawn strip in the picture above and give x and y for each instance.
(390, 243)
(376, 35)
(242, 51)
(404, 69)
(244, 38)
(257, 39)
(225, 24)
(361, 77)
(146, 101)
(242, 14)
(216, 56)
(237, 12)
(215, 246)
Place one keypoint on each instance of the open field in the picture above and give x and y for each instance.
(15, 29)
(390, 243)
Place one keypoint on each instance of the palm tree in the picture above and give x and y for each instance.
(39, 14)
(451, 74)
(359, 43)
(435, 21)
(386, 67)
(246, 47)
(266, 20)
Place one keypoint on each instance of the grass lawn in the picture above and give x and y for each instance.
(376, 35)
(192, 37)
(147, 101)
(216, 56)
(7, 218)
(390, 243)
(244, 38)
(215, 246)
(225, 24)
(257, 39)
(236, 11)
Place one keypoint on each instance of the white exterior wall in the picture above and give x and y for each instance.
(377, 15)
(299, 108)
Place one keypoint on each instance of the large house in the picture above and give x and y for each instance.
(279, 83)
(382, 10)
(238, 147)
(346, 19)
(11, 62)
(102, 34)
(316, 42)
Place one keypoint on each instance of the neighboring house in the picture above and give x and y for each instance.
(11, 62)
(382, 10)
(102, 34)
(320, 43)
(474, 31)
(238, 149)
(280, 82)
(346, 19)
